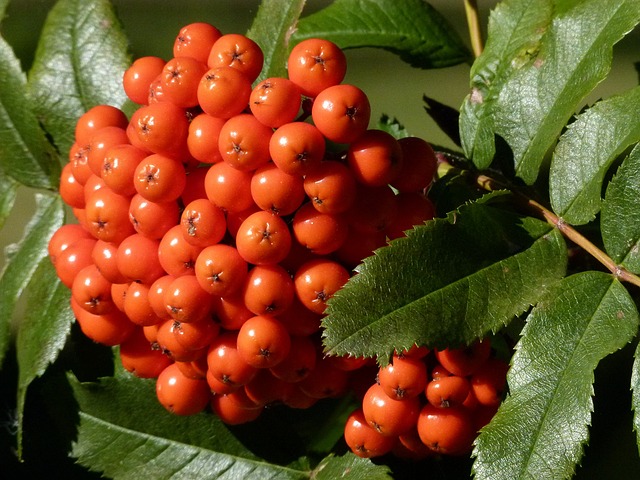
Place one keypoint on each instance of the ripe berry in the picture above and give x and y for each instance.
(388, 416)
(263, 341)
(268, 290)
(195, 40)
(220, 270)
(297, 147)
(274, 190)
(464, 361)
(238, 52)
(322, 233)
(263, 238)
(316, 64)
(223, 92)
(138, 77)
(180, 78)
(244, 142)
(275, 101)
(341, 113)
(404, 377)
(179, 394)
(364, 440)
(316, 282)
(375, 158)
(448, 431)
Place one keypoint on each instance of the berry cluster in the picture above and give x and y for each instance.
(425, 403)
(214, 224)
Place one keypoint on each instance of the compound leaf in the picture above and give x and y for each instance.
(271, 29)
(23, 259)
(125, 433)
(448, 282)
(515, 29)
(541, 427)
(26, 155)
(548, 79)
(79, 63)
(412, 29)
(586, 151)
(43, 331)
(620, 217)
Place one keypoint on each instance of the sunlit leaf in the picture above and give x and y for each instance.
(541, 428)
(514, 32)
(620, 218)
(412, 29)
(79, 63)
(585, 153)
(24, 259)
(449, 282)
(26, 154)
(271, 29)
(547, 79)
(8, 188)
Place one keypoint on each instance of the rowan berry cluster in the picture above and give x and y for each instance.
(214, 224)
(428, 403)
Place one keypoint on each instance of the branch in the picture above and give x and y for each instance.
(488, 183)
(473, 22)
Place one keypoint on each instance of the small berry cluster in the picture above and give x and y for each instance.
(425, 403)
(214, 224)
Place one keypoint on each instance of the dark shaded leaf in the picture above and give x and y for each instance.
(43, 331)
(620, 218)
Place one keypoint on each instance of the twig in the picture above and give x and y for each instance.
(473, 22)
(488, 183)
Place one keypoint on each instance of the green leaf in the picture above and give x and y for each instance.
(412, 29)
(79, 63)
(271, 29)
(515, 29)
(24, 259)
(124, 433)
(548, 80)
(586, 151)
(43, 331)
(392, 126)
(352, 467)
(540, 429)
(635, 394)
(620, 217)
(8, 189)
(448, 282)
(26, 155)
